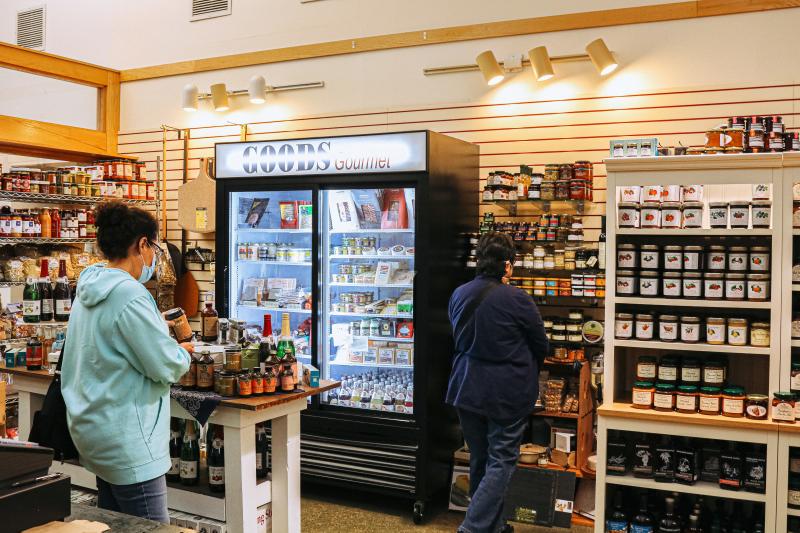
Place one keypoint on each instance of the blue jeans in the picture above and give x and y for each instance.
(145, 500)
(493, 453)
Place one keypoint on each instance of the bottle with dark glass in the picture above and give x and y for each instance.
(209, 319)
(262, 452)
(216, 462)
(669, 523)
(175, 444)
(617, 521)
(62, 295)
(694, 525)
(190, 456)
(45, 293)
(642, 521)
(31, 301)
(33, 354)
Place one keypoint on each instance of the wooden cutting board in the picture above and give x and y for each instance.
(197, 202)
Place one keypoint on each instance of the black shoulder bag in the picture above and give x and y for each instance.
(50, 423)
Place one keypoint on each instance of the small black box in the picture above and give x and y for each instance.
(34, 504)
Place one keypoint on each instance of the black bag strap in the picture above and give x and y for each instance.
(468, 316)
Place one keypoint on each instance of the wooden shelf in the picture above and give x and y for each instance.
(699, 232)
(549, 414)
(624, 410)
(793, 512)
(703, 488)
(550, 466)
(687, 347)
(680, 302)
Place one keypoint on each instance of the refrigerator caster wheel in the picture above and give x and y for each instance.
(419, 512)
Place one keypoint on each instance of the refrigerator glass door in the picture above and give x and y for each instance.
(270, 262)
(367, 308)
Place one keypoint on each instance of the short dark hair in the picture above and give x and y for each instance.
(120, 225)
(494, 249)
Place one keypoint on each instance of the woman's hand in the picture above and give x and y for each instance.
(188, 346)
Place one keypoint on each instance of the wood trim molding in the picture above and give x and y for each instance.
(571, 21)
(53, 66)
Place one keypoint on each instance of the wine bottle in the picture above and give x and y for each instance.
(190, 456)
(61, 294)
(174, 473)
(642, 521)
(31, 301)
(45, 293)
(216, 462)
(285, 343)
(617, 521)
(262, 452)
(668, 522)
(694, 525)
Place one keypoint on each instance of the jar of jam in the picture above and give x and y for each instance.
(715, 330)
(627, 214)
(643, 394)
(756, 406)
(690, 329)
(758, 287)
(716, 258)
(627, 256)
(759, 334)
(664, 397)
(759, 259)
(227, 384)
(650, 214)
(649, 256)
(783, 408)
(668, 370)
(737, 331)
(668, 328)
(735, 286)
(733, 402)
(649, 284)
(673, 258)
(644, 326)
(708, 401)
(714, 373)
(686, 399)
(692, 214)
(233, 360)
(718, 214)
(692, 285)
(671, 285)
(646, 368)
(691, 373)
(739, 214)
(627, 283)
(671, 215)
(547, 191)
(713, 286)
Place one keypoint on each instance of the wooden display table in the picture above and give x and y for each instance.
(243, 493)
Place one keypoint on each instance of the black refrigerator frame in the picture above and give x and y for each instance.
(345, 447)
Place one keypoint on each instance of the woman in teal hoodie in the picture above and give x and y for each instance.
(119, 362)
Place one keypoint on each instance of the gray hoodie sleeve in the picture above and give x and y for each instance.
(146, 344)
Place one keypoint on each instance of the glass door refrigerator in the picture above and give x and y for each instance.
(382, 217)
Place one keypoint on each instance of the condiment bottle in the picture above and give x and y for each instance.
(205, 371)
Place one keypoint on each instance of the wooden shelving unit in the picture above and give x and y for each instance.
(736, 172)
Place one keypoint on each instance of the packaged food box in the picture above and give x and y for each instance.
(311, 375)
(386, 356)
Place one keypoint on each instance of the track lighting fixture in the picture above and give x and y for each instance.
(541, 64)
(490, 68)
(189, 98)
(219, 97)
(257, 90)
(602, 57)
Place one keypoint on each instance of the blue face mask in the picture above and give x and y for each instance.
(147, 270)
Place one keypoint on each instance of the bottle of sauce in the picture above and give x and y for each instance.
(91, 229)
(209, 322)
(33, 354)
(216, 462)
(46, 293)
(190, 455)
(174, 473)
(205, 371)
(62, 295)
(55, 224)
(46, 223)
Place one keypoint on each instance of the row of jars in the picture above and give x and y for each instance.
(690, 399)
(692, 329)
(693, 285)
(128, 190)
(551, 258)
(675, 258)
(677, 215)
(272, 251)
(582, 285)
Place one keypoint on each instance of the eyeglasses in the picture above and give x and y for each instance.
(156, 249)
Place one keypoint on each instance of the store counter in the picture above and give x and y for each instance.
(239, 416)
(118, 522)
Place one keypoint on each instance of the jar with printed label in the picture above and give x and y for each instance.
(664, 397)
(668, 370)
(651, 193)
(756, 407)
(623, 326)
(762, 213)
(649, 256)
(783, 404)
(758, 259)
(714, 373)
(627, 283)
(796, 326)
(760, 334)
(691, 371)
(690, 329)
(671, 285)
(739, 214)
(713, 286)
(718, 214)
(670, 193)
(692, 214)
(671, 215)
(708, 401)
(692, 285)
(793, 495)
(686, 399)
(734, 286)
(646, 368)
(649, 283)
(737, 331)
(716, 258)
(733, 402)
(627, 215)
(738, 258)
(668, 328)
(758, 287)
(692, 193)
(627, 256)
(644, 327)
(715, 330)
(643, 394)
(794, 380)
(650, 216)
(692, 258)
(673, 258)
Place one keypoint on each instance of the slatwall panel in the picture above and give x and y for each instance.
(532, 133)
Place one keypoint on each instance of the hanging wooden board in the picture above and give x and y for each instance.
(197, 202)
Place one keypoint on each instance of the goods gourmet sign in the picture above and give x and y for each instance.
(392, 152)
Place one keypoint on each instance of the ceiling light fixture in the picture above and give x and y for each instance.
(219, 97)
(541, 64)
(490, 68)
(602, 57)
(257, 90)
(189, 98)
